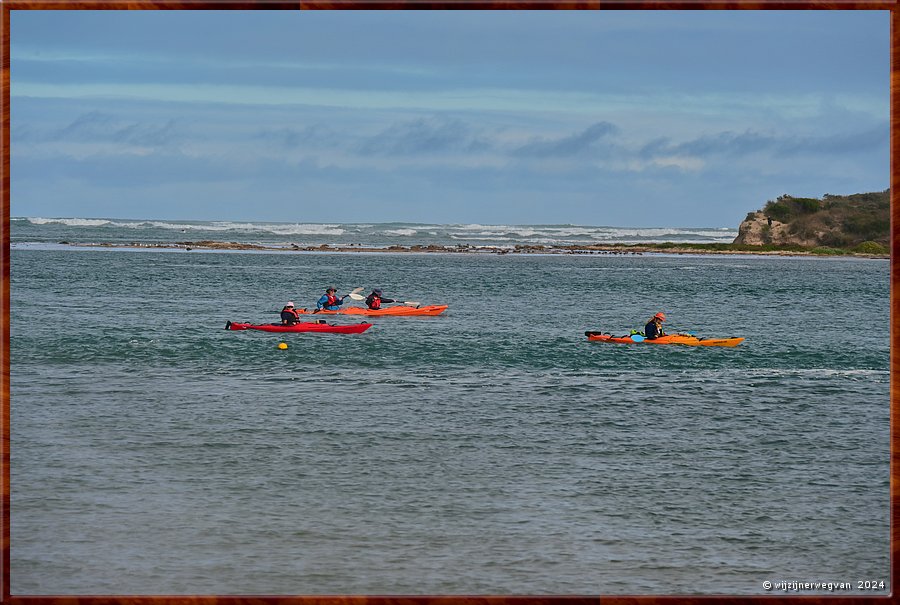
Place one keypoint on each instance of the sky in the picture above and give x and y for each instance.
(611, 118)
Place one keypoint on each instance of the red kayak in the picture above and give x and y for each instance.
(301, 327)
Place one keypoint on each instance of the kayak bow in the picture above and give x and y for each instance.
(301, 327)
(668, 339)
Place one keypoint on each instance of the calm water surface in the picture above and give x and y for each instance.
(489, 450)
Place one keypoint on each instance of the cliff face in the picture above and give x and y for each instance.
(754, 230)
(833, 221)
(758, 229)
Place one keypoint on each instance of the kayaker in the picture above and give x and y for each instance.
(654, 329)
(330, 301)
(374, 300)
(289, 315)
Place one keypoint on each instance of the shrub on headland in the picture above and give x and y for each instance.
(826, 251)
(786, 207)
(870, 247)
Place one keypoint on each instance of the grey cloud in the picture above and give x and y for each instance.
(567, 146)
(424, 136)
(655, 147)
(88, 124)
(149, 135)
(718, 144)
(97, 126)
(749, 142)
(851, 142)
(293, 138)
(730, 143)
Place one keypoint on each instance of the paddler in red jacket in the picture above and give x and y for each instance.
(289, 316)
(330, 301)
(374, 300)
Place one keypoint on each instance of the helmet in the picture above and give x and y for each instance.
(660, 316)
(377, 291)
(290, 304)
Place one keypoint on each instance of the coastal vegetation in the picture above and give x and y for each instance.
(835, 224)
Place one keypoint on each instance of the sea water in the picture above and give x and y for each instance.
(378, 235)
(489, 450)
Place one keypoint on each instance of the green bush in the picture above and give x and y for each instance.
(778, 211)
(868, 225)
(828, 251)
(786, 207)
(870, 247)
(808, 205)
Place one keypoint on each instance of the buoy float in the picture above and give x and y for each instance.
(282, 345)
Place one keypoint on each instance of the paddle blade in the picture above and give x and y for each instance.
(355, 294)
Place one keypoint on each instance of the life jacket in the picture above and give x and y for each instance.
(332, 300)
(375, 302)
(289, 316)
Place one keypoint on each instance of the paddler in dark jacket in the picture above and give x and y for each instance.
(653, 329)
(288, 315)
(330, 301)
(374, 300)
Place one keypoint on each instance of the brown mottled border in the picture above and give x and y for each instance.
(8, 5)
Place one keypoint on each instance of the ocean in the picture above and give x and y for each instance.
(379, 235)
(489, 450)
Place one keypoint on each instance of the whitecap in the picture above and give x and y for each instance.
(73, 222)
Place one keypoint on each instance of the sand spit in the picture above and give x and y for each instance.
(611, 249)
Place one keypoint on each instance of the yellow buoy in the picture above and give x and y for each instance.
(282, 345)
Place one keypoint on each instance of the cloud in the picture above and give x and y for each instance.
(567, 146)
(839, 144)
(295, 138)
(424, 136)
(751, 142)
(103, 127)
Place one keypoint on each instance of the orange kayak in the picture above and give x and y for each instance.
(668, 339)
(398, 310)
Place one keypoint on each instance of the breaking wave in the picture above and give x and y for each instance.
(371, 234)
